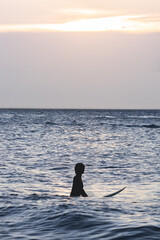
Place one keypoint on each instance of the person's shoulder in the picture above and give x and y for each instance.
(76, 178)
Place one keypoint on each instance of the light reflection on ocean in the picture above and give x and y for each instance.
(38, 151)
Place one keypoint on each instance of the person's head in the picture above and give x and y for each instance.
(79, 168)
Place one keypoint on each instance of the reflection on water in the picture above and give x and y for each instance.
(38, 151)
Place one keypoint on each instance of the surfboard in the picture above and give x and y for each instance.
(112, 194)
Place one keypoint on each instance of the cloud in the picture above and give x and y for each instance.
(80, 11)
(137, 23)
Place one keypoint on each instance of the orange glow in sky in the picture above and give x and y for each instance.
(116, 23)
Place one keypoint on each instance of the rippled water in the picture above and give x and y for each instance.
(38, 151)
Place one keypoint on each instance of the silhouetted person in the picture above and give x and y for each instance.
(77, 188)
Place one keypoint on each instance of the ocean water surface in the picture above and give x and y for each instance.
(38, 151)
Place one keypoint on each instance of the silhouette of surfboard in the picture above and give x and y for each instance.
(112, 194)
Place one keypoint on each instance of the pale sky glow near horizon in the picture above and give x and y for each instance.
(80, 54)
(116, 23)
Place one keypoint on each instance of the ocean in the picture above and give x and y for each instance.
(38, 151)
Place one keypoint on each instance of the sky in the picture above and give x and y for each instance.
(80, 54)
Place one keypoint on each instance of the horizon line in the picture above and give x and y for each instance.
(39, 108)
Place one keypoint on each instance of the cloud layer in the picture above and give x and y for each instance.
(116, 23)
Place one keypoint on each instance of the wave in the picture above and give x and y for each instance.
(10, 210)
(143, 117)
(72, 224)
(144, 126)
(76, 123)
(50, 123)
(136, 126)
(105, 118)
(59, 168)
(114, 167)
(68, 218)
(146, 232)
(151, 126)
(9, 196)
(36, 196)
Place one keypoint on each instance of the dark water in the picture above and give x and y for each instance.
(38, 150)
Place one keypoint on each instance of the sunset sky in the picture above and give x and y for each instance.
(80, 54)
